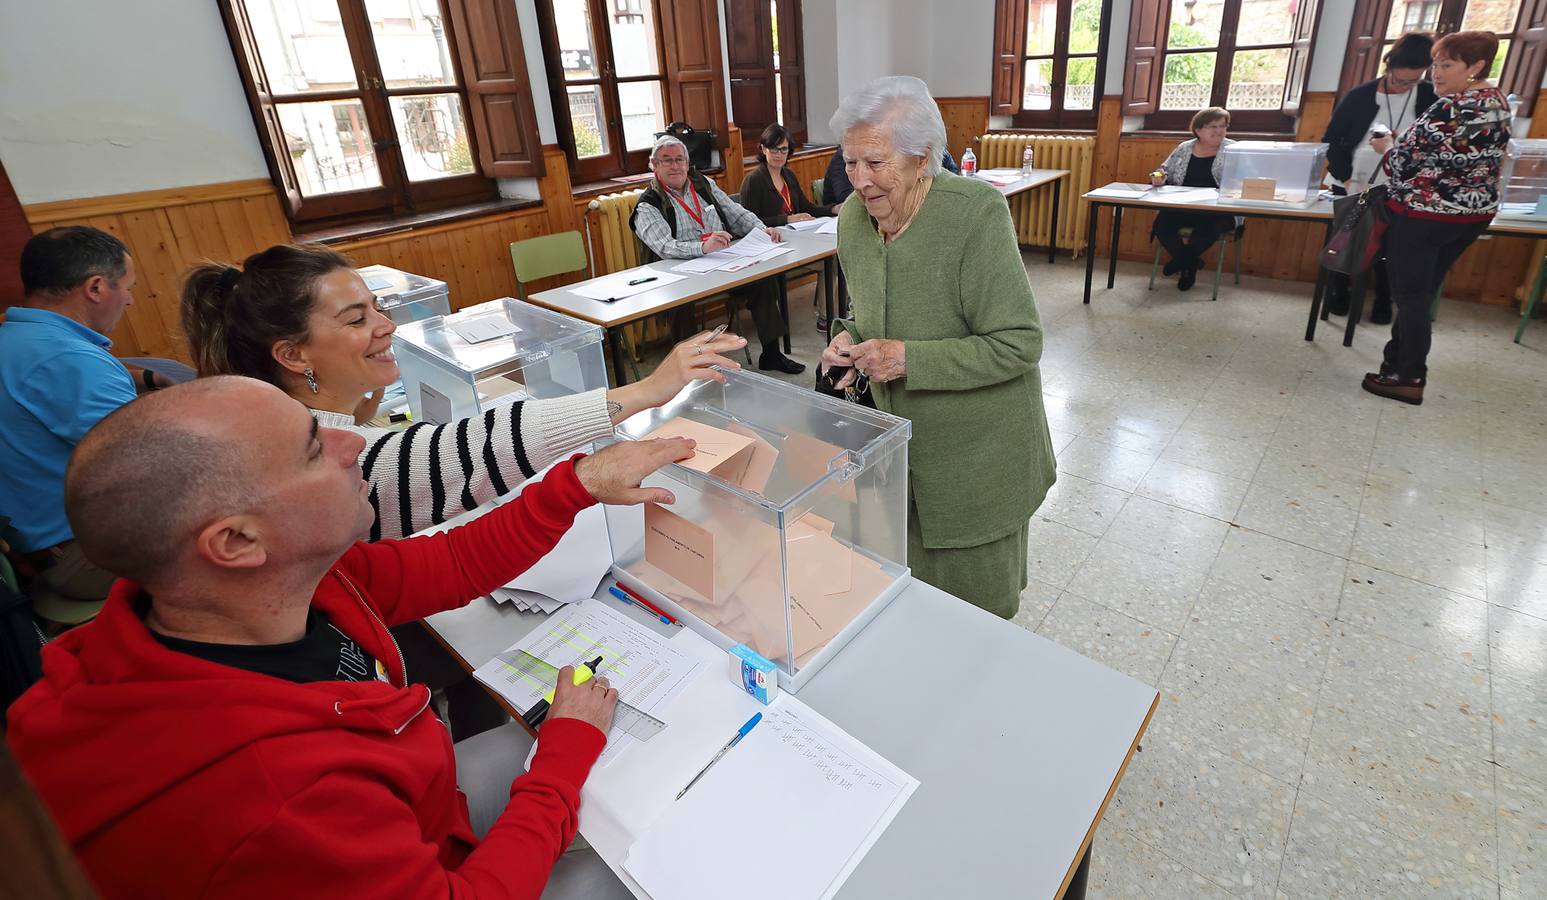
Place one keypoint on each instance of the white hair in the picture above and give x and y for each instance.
(902, 105)
(665, 141)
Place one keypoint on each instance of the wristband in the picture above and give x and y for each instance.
(149, 378)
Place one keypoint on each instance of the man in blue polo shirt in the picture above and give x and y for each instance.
(57, 379)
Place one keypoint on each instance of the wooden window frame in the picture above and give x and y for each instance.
(398, 195)
(618, 160)
(1524, 62)
(1261, 121)
(1057, 117)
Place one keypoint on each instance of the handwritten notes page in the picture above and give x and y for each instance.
(815, 798)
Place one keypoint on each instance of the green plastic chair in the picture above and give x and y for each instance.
(817, 186)
(546, 256)
(1219, 263)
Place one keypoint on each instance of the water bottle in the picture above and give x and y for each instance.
(1026, 162)
(969, 162)
(1514, 107)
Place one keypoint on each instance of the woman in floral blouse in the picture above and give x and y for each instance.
(1443, 190)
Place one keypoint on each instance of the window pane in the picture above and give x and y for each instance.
(1041, 26)
(330, 146)
(586, 118)
(1498, 62)
(644, 113)
(302, 45)
(1257, 79)
(1039, 85)
(1189, 80)
(410, 42)
(773, 24)
(1084, 26)
(632, 25)
(433, 135)
(1195, 25)
(1080, 89)
(1415, 15)
(1491, 15)
(577, 53)
(1266, 22)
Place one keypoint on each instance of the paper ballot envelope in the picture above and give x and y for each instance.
(735, 455)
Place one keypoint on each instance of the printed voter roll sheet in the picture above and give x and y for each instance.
(647, 670)
(617, 287)
(788, 814)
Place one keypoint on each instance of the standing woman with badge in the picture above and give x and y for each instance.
(1383, 107)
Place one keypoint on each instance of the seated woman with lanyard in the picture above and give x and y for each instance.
(771, 191)
(1194, 163)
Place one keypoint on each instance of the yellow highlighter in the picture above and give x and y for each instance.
(539, 711)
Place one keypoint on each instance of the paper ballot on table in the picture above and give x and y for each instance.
(647, 671)
(1191, 195)
(617, 287)
(753, 244)
(571, 571)
(483, 328)
(829, 226)
(819, 800)
(805, 225)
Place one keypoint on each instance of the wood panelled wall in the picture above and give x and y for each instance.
(966, 119)
(167, 232)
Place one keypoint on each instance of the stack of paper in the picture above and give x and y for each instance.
(790, 812)
(806, 225)
(750, 250)
(526, 601)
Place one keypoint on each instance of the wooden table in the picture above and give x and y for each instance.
(612, 316)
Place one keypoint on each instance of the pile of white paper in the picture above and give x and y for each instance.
(526, 601)
(750, 250)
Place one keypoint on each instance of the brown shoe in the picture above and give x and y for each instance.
(1407, 390)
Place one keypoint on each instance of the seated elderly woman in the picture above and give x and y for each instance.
(947, 332)
(1194, 163)
(683, 214)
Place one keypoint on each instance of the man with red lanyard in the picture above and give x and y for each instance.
(683, 214)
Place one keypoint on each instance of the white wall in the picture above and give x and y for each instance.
(1337, 18)
(536, 71)
(819, 26)
(961, 48)
(108, 97)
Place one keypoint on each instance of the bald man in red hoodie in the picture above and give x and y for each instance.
(237, 722)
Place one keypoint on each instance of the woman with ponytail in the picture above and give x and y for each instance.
(300, 318)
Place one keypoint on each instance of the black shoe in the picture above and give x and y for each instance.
(775, 361)
(1189, 277)
(1171, 268)
(1381, 314)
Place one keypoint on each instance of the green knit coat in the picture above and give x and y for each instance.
(953, 289)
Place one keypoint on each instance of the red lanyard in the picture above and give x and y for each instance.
(785, 193)
(697, 212)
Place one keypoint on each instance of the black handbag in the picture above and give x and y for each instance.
(859, 392)
(1358, 227)
(700, 143)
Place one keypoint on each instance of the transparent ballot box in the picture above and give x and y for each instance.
(1523, 181)
(1274, 173)
(789, 530)
(460, 365)
(404, 296)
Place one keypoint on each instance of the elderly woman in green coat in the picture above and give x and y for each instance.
(946, 330)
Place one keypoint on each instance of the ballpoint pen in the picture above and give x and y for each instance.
(642, 280)
(735, 739)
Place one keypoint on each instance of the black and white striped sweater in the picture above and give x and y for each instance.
(426, 474)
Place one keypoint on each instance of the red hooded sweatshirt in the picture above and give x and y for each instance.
(177, 777)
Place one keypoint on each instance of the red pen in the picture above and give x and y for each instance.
(647, 604)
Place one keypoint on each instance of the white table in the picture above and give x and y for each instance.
(1018, 743)
(808, 248)
(1034, 179)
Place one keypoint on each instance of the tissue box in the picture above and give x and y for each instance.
(754, 673)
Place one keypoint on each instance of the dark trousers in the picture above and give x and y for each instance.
(1418, 254)
(1206, 229)
(760, 297)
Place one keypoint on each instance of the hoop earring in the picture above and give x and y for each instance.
(311, 379)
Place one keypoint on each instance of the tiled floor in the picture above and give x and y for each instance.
(1342, 599)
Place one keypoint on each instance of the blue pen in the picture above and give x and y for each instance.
(613, 590)
(735, 739)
